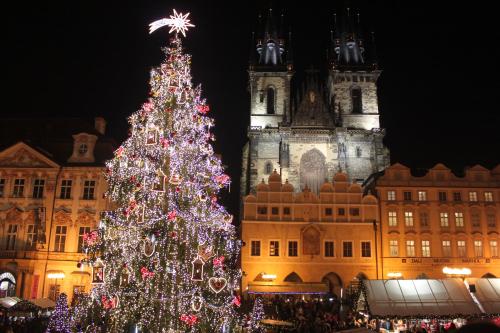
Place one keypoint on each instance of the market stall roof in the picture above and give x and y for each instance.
(24, 306)
(44, 303)
(488, 294)
(287, 288)
(8, 302)
(419, 298)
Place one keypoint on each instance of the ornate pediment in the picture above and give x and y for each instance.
(63, 217)
(87, 218)
(21, 155)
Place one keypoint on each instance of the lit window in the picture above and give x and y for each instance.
(366, 249)
(426, 248)
(393, 219)
(446, 248)
(11, 237)
(391, 195)
(18, 190)
(410, 248)
(274, 248)
(422, 196)
(478, 248)
(88, 189)
(459, 219)
(81, 233)
(38, 188)
(488, 196)
(255, 248)
(493, 248)
(443, 217)
(472, 196)
(394, 248)
(462, 250)
(329, 249)
(347, 249)
(409, 219)
(60, 242)
(66, 189)
(293, 248)
(30, 237)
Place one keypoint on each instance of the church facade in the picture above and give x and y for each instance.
(327, 126)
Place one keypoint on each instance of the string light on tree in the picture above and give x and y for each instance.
(152, 256)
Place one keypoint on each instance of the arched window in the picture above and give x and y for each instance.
(270, 101)
(268, 168)
(357, 105)
(293, 277)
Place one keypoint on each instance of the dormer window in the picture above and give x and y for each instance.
(83, 149)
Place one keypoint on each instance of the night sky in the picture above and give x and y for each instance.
(438, 93)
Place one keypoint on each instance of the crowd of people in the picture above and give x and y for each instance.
(24, 324)
(313, 316)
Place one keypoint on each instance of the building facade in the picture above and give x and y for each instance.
(306, 243)
(325, 126)
(439, 219)
(51, 193)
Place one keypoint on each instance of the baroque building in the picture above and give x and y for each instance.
(308, 243)
(439, 219)
(51, 193)
(324, 127)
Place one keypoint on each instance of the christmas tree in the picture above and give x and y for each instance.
(167, 259)
(59, 321)
(256, 316)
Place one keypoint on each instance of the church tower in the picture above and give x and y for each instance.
(270, 71)
(331, 126)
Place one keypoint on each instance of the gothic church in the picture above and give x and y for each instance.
(323, 128)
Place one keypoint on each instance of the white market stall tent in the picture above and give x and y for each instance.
(487, 293)
(419, 298)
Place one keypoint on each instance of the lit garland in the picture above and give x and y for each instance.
(60, 319)
(165, 179)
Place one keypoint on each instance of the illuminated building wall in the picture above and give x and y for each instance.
(439, 219)
(51, 193)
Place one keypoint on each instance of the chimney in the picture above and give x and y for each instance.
(100, 125)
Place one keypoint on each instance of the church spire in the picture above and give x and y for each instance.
(270, 43)
(347, 41)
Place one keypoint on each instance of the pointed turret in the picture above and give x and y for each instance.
(347, 42)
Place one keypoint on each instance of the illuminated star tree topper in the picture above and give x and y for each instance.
(178, 22)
